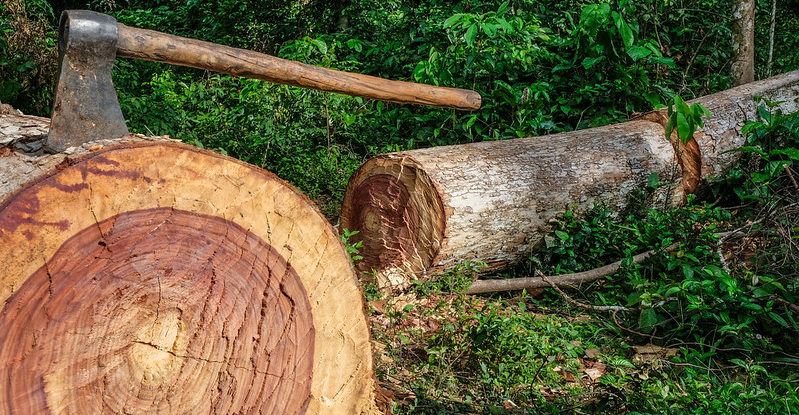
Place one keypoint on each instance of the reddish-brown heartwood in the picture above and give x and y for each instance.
(141, 275)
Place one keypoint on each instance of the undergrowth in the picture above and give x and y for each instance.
(708, 327)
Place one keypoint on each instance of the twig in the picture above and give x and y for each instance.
(790, 176)
(554, 286)
(793, 307)
(565, 280)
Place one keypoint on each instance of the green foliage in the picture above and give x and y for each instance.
(353, 249)
(771, 152)
(685, 119)
(542, 66)
(27, 54)
(455, 280)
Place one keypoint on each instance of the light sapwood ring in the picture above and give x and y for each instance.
(156, 277)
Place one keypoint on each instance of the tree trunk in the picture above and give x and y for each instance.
(743, 42)
(421, 212)
(141, 275)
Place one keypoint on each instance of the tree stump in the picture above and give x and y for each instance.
(421, 212)
(144, 276)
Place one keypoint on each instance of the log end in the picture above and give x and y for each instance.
(154, 277)
(399, 214)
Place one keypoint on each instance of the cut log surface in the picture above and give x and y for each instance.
(420, 212)
(144, 276)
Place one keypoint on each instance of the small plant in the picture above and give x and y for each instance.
(353, 249)
(685, 119)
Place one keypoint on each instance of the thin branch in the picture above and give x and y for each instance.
(554, 286)
(790, 176)
(565, 280)
(793, 307)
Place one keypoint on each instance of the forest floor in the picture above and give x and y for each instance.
(439, 351)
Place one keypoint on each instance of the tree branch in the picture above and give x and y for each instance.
(565, 280)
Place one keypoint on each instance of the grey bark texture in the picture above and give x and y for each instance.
(422, 212)
(743, 42)
(22, 157)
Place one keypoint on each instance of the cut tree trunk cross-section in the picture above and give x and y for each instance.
(146, 276)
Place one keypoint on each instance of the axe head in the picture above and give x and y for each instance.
(85, 106)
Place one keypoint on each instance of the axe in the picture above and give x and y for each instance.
(86, 106)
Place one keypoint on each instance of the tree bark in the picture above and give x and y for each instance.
(141, 275)
(421, 212)
(743, 42)
(772, 22)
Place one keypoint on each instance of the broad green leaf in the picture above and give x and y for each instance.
(638, 52)
(774, 168)
(588, 63)
(653, 181)
(683, 128)
(455, 18)
(355, 44)
(471, 34)
(562, 235)
(489, 29)
(792, 153)
(504, 24)
(624, 30)
(778, 318)
(758, 177)
(751, 126)
(647, 319)
(321, 45)
(663, 61)
(680, 105)
(503, 8)
(764, 113)
(669, 125)
(687, 271)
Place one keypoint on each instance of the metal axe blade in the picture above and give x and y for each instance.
(85, 106)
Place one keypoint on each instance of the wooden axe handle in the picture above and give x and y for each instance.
(161, 47)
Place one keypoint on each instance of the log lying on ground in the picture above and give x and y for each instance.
(419, 212)
(141, 275)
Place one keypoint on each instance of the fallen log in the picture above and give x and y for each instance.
(419, 212)
(141, 275)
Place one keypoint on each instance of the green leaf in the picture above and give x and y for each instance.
(683, 128)
(778, 318)
(663, 61)
(503, 8)
(471, 34)
(588, 63)
(669, 126)
(681, 106)
(321, 45)
(624, 30)
(455, 18)
(562, 235)
(653, 181)
(638, 52)
(687, 271)
(647, 319)
(355, 44)
(792, 153)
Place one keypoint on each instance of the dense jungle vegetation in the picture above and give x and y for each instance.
(710, 327)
